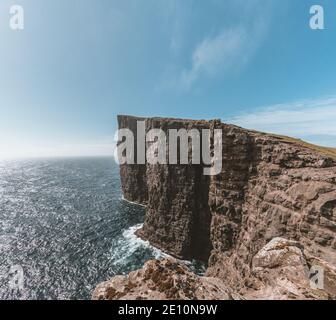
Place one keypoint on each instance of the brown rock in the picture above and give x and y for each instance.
(282, 272)
(270, 186)
(163, 280)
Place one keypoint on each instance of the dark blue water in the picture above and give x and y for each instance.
(65, 224)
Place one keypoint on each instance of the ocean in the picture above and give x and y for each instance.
(66, 228)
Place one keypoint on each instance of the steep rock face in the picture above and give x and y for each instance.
(269, 187)
(133, 177)
(292, 194)
(178, 216)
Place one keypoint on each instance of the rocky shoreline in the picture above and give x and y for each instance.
(262, 224)
(280, 272)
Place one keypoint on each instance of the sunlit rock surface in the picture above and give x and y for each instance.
(270, 187)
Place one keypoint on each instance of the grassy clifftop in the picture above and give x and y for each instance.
(330, 152)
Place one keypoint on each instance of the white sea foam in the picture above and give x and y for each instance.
(137, 242)
(131, 202)
(6, 242)
(129, 244)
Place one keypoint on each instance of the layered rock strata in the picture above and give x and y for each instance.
(269, 187)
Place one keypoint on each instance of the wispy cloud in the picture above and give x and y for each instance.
(228, 49)
(311, 120)
(219, 53)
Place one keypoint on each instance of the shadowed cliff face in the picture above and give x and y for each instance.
(178, 216)
(268, 188)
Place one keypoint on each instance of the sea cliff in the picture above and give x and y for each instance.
(261, 224)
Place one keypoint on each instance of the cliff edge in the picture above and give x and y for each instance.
(270, 188)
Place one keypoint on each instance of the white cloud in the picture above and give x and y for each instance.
(227, 50)
(311, 120)
(221, 52)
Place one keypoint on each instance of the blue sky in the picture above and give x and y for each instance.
(79, 63)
